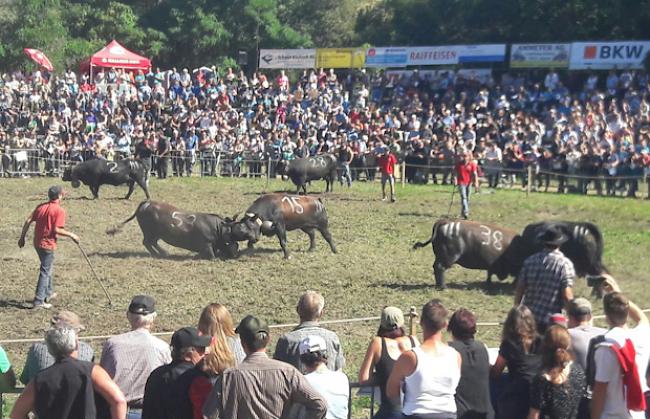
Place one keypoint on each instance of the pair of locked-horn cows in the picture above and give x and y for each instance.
(209, 234)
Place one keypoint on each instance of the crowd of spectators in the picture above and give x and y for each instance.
(566, 369)
(586, 130)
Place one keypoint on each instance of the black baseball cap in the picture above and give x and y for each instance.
(54, 192)
(189, 336)
(251, 326)
(142, 304)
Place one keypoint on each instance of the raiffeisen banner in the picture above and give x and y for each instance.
(456, 54)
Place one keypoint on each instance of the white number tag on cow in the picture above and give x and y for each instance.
(495, 238)
(294, 203)
(112, 167)
(317, 161)
(178, 221)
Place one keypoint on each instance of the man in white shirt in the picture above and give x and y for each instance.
(333, 386)
(611, 393)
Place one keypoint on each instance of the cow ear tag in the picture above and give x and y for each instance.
(259, 222)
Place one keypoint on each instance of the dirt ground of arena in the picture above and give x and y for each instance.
(375, 265)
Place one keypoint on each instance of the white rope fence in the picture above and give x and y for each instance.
(273, 326)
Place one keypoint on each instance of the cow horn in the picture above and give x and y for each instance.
(258, 221)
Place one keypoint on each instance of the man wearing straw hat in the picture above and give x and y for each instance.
(49, 218)
(545, 281)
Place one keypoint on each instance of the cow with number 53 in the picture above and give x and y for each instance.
(281, 212)
(473, 245)
(304, 170)
(95, 173)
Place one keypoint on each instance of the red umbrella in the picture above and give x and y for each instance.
(39, 58)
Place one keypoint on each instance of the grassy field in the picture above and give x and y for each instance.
(375, 265)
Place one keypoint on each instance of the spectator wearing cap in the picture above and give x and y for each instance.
(334, 386)
(259, 387)
(473, 391)
(384, 349)
(39, 358)
(49, 219)
(545, 281)
(310, 310)
(188, 348)
(67, 388)
(129, 358)
(581, 329)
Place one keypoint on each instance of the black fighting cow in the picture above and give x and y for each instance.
(584, 245)
(472, 245)
(304, 170)
(207, 234)
(95, 173)
(283, 212)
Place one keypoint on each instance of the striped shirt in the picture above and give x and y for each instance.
(545, 275)
(262, 388)
(39, 358)
(129, 358)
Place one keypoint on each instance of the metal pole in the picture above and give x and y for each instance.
(403, 173)
(451, 202)
(110, 302)
(268, 174)
(530, 180)
(413, 326)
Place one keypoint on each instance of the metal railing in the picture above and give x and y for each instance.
(39, 162)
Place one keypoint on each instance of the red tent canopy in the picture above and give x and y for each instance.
(115, 55)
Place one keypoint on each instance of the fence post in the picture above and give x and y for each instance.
(530, 179)
(403, 173)
(268, 174)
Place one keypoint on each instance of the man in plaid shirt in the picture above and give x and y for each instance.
(545, 281)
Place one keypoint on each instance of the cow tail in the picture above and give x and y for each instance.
(118, 227)
(420, 245)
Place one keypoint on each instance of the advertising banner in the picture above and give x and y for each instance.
(540, 55)
(340, 57)
(456, 54)
(488, 53)
(446, 55)
(386, 57)
(608, 55)
(287, 58)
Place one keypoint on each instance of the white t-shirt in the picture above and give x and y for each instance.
(608, 370)
(335, 389)
(432, 386)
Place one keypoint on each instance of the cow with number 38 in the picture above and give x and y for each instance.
(473, 245)
(282, 212)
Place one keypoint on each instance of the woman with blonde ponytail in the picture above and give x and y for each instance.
(225, 351)
(556, 392)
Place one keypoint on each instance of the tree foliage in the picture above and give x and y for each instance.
(205, 32)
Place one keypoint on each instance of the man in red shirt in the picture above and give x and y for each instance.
(386, 162)
(466, 175)
(50, 220)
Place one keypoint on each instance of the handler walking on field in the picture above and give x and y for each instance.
(50, 220)
(466, 175)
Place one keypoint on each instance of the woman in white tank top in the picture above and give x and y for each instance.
(428, 375)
